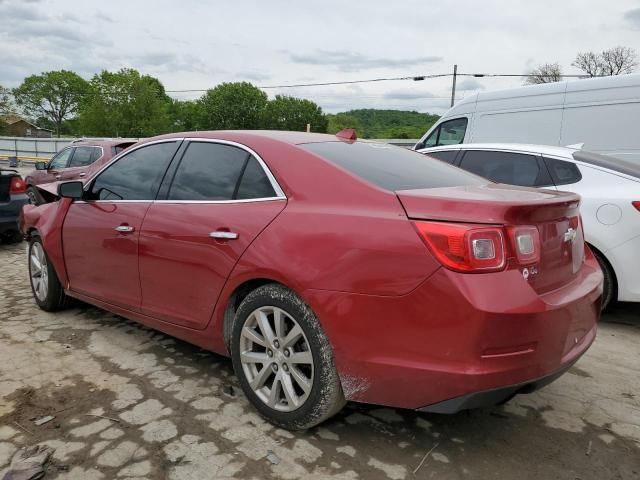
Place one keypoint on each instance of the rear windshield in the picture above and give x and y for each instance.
(616, 164)
(392, 168)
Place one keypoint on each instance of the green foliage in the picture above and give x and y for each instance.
(375, 123)
(290, 113)
(125, 104)
(231, 106)
(185, 115)
(54, 95)
(340, 121)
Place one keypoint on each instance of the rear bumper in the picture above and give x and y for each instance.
(495, 396)
(461, 338)
(10, 213)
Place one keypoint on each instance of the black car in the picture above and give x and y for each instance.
(13, 195)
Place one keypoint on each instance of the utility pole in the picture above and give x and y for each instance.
(453, 86)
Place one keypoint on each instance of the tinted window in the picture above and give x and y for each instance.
(392, 168)
(448, 133)
(61, 160)
(135, 176)
(448, 156)
(563, 173)
(84, 156)
(254, 182)
(506, 167)
(208, 171)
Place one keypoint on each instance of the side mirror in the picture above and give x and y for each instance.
(73, 190)
(41, 165)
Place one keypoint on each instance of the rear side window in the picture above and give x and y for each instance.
(448, 156)
(563, 173)
(506, 167)
(254, 182)
(84, 156)
(135, 176)
(392, 168)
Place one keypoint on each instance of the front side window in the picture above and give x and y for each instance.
(213, 172)
(61, 160)
(84, 156)
(392, 168)
(506, 167)
(448, 156)
(135, 176)
(448, 133)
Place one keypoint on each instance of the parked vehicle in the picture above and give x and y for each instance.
(75, 162)
(12, 197)
(328, 269)
(610, 191)
(600, 113)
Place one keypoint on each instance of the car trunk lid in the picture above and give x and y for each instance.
(554, 214)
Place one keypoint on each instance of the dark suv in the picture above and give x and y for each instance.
(12, 197)
(74, 162)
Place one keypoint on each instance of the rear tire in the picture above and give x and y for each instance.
(13, 236)
(283, 359)
(34, 197)
(45, 285)
(610, 286)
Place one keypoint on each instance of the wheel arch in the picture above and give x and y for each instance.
(612, 270)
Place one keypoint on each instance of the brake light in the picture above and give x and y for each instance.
(17, 185)
(526, 244)
(637, 205)
(464, 247)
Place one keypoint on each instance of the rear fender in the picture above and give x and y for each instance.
(46, 221)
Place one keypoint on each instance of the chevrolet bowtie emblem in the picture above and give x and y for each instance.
(570, 235)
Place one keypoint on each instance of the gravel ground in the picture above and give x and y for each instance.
(133, 403)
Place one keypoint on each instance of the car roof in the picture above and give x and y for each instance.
(565, 152)
(291, 138)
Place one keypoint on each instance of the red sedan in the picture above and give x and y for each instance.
(328, 269)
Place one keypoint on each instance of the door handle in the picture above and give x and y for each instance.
(124, 229)
(223, 235)
(82, 174)
(57, 177)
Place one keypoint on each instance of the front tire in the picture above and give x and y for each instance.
(283, 359)
(47, 289)
(34, 197)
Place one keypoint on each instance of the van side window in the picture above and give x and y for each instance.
(506, 167)
(563, 173)
(448, 133)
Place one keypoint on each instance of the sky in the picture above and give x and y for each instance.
(194, 44)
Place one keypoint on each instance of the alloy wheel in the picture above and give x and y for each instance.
(276, 358)
(38, 271)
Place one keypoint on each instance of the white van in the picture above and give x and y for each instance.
(601, 113)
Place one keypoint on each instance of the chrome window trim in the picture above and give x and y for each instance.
(121, 154)
(274, 183)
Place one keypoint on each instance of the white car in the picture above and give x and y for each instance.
(609, 187)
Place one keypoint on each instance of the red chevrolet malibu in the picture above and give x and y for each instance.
(329, 269)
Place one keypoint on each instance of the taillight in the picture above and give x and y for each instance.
(637, 205)
(464, 247)
(525, 243)
(17, 185)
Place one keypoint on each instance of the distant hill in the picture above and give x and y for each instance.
(374, 123)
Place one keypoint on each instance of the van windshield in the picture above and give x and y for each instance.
(392, 168)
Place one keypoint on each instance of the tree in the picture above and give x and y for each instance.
(545, 73)
(229, 106)
(55, 95)
(290, 113)
(185, 115)
(615, 61)
(340, 121)
(125, 104)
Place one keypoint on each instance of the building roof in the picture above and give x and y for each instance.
(12, 118)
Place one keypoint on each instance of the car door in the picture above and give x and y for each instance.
(100, 233)
(82, 158)
(55, 167)
(512, 168)
(219, 198)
